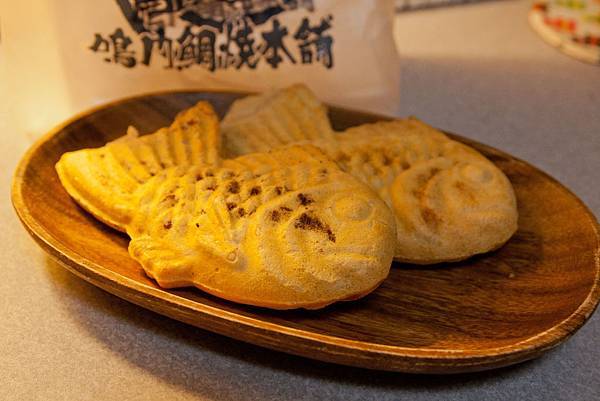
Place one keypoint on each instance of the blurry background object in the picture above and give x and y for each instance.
(73, 55)
(411, 5)
(572, 26)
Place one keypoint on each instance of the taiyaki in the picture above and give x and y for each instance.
(285, 229)
(261, 122)
(102, 180)
(450, 202)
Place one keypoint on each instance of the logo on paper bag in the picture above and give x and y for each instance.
(217, 35)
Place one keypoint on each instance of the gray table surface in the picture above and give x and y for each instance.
(477, 70)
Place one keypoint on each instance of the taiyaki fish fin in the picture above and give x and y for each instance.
(400, 127)
(173, 265)
(261, 122)
(279, 158)
(200, 139)
(168, 266)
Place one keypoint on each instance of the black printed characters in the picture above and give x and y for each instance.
(313, 40)
(273, 44)
(116, 46)
(245, 43)
(151, 15)
(217, 34)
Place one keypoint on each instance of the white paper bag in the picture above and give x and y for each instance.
(69, 55)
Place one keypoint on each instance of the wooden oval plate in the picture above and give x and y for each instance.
(490, 311)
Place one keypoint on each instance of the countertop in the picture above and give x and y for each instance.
(477, 70)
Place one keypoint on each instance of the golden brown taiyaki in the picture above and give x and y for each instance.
(102, 180)
(285, 229)
(449, 201)
(261, 122)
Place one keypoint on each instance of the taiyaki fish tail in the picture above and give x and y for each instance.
(102, 180)
(258, 123)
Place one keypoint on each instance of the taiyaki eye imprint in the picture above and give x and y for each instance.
(273, 119)
(102, 180)
(299, 233)
(449, 201)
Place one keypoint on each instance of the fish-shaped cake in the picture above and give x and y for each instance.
(285, 229)
(102, 180)
(261, 122)
(450, 202)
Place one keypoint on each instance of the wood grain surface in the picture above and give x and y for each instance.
(489, 311)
